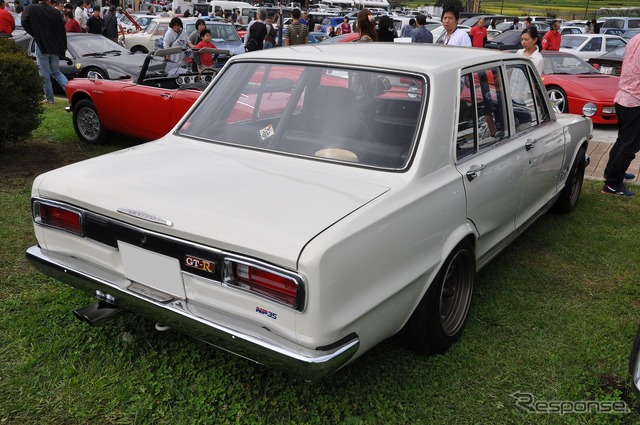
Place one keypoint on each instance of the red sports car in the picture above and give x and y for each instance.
(571, 82)
(146, 107)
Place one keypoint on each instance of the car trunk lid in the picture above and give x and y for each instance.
(271, 209)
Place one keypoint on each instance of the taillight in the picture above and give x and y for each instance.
(596, 66)
(58, 216)
(278, 285)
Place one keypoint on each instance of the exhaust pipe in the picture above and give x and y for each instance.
(96, 313)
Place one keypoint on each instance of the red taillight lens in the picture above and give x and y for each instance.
(596, 66)
(271, 284)
(58, 217)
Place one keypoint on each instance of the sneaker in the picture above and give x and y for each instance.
(627, 176)
(617, 190)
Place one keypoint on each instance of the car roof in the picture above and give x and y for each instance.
(414, 57)
(592, 35)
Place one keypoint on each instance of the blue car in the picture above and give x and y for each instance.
(316, 37)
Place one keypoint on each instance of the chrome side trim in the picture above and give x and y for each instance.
(305, 363)
(142, 215)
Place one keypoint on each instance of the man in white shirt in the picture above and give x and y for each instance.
(454, 36)
(78, 15)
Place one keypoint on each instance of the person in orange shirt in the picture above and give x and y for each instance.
(552, 39)
(478, 34)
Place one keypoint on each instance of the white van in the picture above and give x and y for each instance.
(209, 8)
(620, 23)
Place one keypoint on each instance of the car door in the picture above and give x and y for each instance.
(147, 110)
(542, 138)
(490, 160)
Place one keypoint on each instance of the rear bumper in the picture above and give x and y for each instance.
(308, 364)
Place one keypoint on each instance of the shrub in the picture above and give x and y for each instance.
(21, 87)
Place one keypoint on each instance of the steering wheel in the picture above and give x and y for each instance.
(207, 75)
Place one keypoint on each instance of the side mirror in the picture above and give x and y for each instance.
(68, 60)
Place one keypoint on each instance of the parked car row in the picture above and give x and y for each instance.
(223, 35)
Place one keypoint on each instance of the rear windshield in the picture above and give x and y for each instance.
(334, 114)
(614, 23)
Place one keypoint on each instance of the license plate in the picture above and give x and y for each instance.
(151, 269)
(606, 69)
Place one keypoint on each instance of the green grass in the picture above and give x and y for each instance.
(554, 315)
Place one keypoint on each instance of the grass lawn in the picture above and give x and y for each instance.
(554, 316)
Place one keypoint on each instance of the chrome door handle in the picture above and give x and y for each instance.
(165, 96)
(472, 174)
(530, 144)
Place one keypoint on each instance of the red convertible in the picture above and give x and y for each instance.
(146, 107)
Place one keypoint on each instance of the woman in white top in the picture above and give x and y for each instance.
(529, 40)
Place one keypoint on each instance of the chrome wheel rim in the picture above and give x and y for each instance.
(457, 289)
(94, 75)
(557, 99)
(88, 123)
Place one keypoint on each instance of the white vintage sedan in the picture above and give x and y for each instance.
(317, 200)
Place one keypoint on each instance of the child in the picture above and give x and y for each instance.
(206, 59)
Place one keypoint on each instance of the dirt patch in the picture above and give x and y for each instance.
(21, 162)
(617, 386)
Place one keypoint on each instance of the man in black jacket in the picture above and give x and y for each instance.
(45, 24)
(110, 29)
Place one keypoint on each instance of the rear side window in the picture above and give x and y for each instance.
(482, 115)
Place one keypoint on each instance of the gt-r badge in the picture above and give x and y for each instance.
(199, 263)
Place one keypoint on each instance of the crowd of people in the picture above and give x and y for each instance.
(48, 23)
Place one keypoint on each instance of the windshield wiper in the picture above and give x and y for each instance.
(115, 52)
(95, 54)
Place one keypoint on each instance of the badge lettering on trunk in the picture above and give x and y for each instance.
(199, 263)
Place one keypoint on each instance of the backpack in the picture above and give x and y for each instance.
(271, 34)
(255, 28)
(251, 45)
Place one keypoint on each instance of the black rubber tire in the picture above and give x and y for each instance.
(570, 195)
(558, 97)
(139, 49)
(438, 320)
(86, 122)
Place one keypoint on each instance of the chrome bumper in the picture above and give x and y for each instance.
(313, 364)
